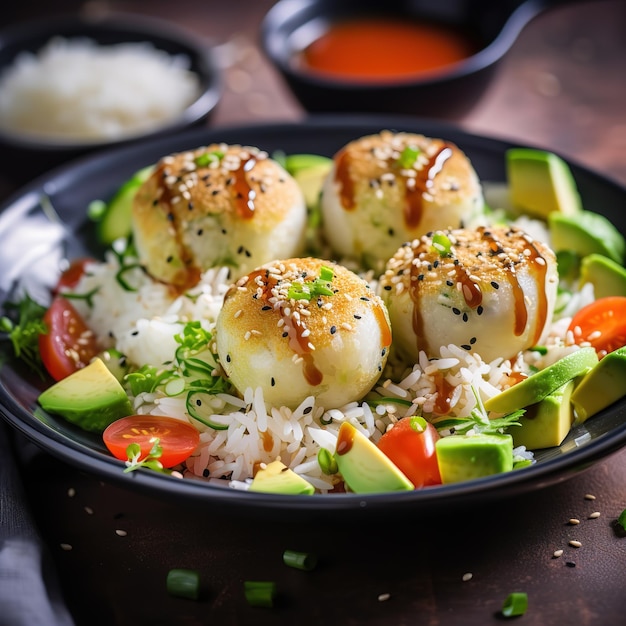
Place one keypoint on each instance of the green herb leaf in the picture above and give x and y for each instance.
(151, 461)
(23, 329)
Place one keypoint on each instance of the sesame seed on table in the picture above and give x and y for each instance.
(561, 87)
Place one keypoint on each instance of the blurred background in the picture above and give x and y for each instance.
(561, 85)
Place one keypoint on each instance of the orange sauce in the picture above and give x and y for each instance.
(385, 49)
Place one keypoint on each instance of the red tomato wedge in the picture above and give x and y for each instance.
(178, 439)
(601, 323)
(410, 444)
(70, 277)
(69, 344)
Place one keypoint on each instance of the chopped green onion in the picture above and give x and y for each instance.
(540, 349)
(183, 583)
(621, 520)
(87, 297)
(119, 277)
(515, 604)
(96, 209)
(260, 593)
(408, 157)
(299, 560)
(327, 462)
(326, 273)
(174, 387)
(208, 157)
(442, 244)
(389, 400)
(418, 424)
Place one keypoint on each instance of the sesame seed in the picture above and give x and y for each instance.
(570, 564)
(575, 544)
(495, 285)
(574, 521)
(71, 492)
(88, 510)
(333, 330)
(589, 497)
(595, 515)
(467, 577)
(121, 533)
(383, 597)
(557, 554)
(66, 546)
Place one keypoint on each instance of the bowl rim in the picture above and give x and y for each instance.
(199, 49)
(482, 59)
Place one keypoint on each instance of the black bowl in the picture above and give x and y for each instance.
(446, 93)
(22, 158)
(46, 222)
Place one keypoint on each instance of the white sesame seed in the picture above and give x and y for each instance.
(467, 577)
(121, 533)
(66, 546)
(574, 521)
(557, 554)
(384, 597)
(575, 544)
(71, 492)
(595, 515)
(588, 496)
(88, 510)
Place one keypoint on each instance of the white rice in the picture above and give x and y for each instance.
(77, 90)
(142, 325)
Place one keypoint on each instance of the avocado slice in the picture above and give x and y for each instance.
(309, 171)
(91, 398)
(116, 221)
(546, 424)
(276, 477)
(536, 387)
(601, 387)
(295, 163)
(586, 233)
(465, 457)
(365, 468)
(541, 183)
(607, 277)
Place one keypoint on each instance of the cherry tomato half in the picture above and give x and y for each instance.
(70, 277)
(410, 444)
(177, 439)
(69, 344)
(602, 323)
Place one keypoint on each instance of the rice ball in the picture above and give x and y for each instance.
(219, 205)
(389, 188)
(489, 290)
(303, 327)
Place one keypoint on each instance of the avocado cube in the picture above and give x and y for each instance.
(465, 457)
(364, 467)
(601, 387)
(546, 423)
(276, 477)
(541, 183)
(607, 277)
(92, 398)
(586, 233)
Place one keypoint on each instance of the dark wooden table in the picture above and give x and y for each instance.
(562, 87)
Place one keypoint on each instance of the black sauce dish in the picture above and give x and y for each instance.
(446, 93)
(23, 157)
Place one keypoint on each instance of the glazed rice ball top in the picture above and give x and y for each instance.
(216, 205)
(389, 188)
(290, 330)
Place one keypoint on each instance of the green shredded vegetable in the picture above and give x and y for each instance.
(621, 520)
(408, 156)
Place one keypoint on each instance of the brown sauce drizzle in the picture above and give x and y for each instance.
(243, 194)
(345, 439)
(268, 440)
(385, 329)
(444, 395)
(424, 182)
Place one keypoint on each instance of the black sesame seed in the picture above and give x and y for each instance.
(420, 277)
(155, 202)
(205, 472)
(333, 330)
(134, 333)
(266, 307)
(199, 232)
(449, 283)
(240, 249)
(383, 352)
(169, 259)
(391, 232)
(247, 253)
(224, 231)
(307, 410)
(465, 318)
(387, 287)
(473, 341)
(456, 311)
(366, 299)
(436, 264)
(215, 192)
(285, 334)
(198, 402)
(357, 317)
(495, 285)
(479, 310)
(466, 346)
(570, 564)
(170, 217)
(272, 381)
